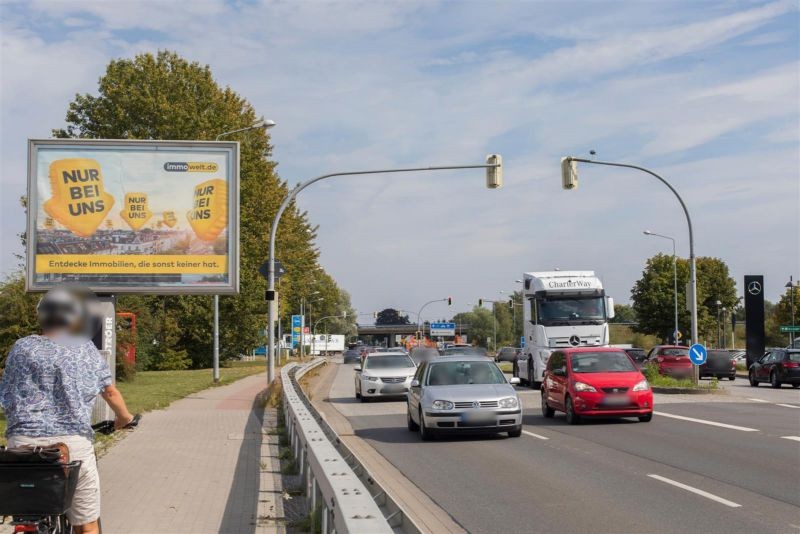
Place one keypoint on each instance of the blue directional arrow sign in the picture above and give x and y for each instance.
(698, 354)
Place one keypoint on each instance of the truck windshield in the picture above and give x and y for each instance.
(572, 311)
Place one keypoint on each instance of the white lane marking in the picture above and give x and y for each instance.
(787, 406)
(758, 400)
(697, 491)
(706, 422)
(795, 438)
(531, 434)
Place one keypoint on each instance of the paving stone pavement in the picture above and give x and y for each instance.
(205, 464)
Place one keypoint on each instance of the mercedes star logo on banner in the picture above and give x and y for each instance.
(754, 288)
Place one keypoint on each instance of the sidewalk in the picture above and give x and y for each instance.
(202, 465)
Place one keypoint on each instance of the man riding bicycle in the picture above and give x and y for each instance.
(49, 387)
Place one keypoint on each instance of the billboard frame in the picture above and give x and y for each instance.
(232, 147)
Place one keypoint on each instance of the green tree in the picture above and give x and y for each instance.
(167, 97)
(623, 313)
(480, 324)
(17, 313)
(781, 314)
(652, 296)
(391, 316)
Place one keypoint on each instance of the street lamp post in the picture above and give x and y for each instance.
(266, 124)
(493, 181)
(790, 286)
(674, 280)
(569, 177)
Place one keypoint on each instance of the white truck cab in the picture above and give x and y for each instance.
(561, 309)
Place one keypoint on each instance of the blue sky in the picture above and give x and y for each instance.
(706, 93)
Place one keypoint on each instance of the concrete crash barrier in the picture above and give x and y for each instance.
(346, 503)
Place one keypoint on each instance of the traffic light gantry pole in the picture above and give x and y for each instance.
(494, 180)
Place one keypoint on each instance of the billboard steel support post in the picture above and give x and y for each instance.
(274, 230)
(692, 263)
(216, 339)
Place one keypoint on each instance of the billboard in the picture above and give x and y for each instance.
(120, 216)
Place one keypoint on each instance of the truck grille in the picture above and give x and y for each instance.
(482, 404)
(393, 379)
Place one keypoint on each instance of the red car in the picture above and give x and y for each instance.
(595, 381)
(672, 360)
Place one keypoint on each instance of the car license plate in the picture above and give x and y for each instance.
(617, 400)
(477, 417)
(394, 388)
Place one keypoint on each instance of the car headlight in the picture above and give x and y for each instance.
(372, 378)
(641, 386)
(509, 402)
(580, 386)
(442, 405)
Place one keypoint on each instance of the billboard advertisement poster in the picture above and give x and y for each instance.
(122, 216)
(297, 328)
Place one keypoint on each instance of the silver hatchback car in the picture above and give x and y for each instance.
(463, 393)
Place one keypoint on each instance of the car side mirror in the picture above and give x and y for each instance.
(357, 369)
(514, 381)
(415, 383)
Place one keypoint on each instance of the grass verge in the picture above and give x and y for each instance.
(506, 367)
(658, 380)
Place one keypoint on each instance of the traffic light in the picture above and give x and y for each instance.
(569, 173)
(374, 315)
(449, 301)
(480, 303)
(511, 303)
(494, 175)
(417, 335)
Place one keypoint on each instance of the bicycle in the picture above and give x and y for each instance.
(37, 486)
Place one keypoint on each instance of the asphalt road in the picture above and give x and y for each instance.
(731, 468)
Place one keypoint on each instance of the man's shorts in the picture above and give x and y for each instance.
(86, 502)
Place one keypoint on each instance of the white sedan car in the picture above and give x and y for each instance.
(384, 374)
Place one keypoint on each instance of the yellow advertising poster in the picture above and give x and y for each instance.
(134, 216)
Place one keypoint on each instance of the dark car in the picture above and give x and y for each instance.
(778, 367)
(423, 354)
(639, 356)
(719, 364)
(352, 356)
(507, 354)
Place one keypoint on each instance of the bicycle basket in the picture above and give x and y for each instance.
(37, 489)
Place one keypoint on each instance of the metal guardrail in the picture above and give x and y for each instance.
(347, 506)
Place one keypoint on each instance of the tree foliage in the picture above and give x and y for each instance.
(653, 300)
(391, 316)
(167, 97)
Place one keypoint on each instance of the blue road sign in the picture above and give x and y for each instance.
(698, 354)
(443, 329)
(522, 341)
